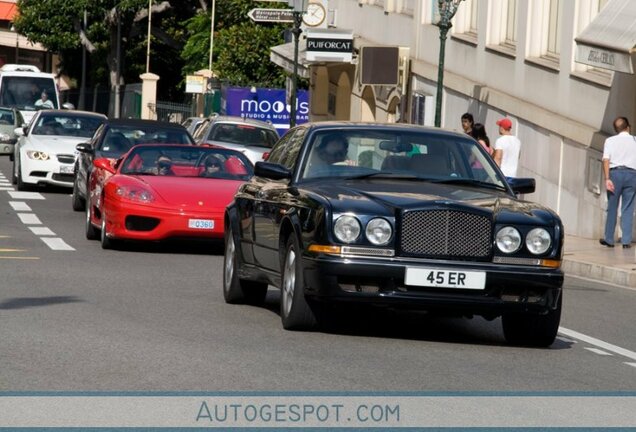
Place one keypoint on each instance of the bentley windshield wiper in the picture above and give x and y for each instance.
(150, 173)
(387, 174)
(471, 182)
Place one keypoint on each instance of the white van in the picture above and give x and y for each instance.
(22, 85)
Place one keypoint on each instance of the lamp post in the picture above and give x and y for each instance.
(149, 28)
(447, 10)
(17, 43)
(212, 34)
(298, 16)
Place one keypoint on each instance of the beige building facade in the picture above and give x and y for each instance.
(503, 58)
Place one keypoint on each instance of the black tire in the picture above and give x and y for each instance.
(107, 242)
(21, 185)
(532, 330)
(77, 201)
(91, 231)
(14, 176)
(295, 311)
(235, 290)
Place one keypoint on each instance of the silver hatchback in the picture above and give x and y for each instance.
(254, 138)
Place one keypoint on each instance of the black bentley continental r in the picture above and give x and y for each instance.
(394, 215)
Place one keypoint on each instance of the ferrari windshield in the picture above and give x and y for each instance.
(118, 139)
(187, 161)
(413, 155)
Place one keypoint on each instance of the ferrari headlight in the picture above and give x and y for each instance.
(134, 194)
(508, 240)
(347, 228)
(379, 231)
(37, 155)
(538, 241)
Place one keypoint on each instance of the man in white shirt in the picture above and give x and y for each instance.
(507, 149)
(619, 169)
(44, 101)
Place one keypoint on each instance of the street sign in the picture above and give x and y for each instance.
(271, 15)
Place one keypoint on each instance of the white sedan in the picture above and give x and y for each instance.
(45, 152)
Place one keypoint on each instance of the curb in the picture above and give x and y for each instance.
(624, 276)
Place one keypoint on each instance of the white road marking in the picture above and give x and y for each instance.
(26, 195)
(631, 363)
(6, 189)
(598, 343)
(29, 219)
(56, 243)
(598, 351)
(42, 231)
(19, 206)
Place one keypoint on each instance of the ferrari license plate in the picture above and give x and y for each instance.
(67, 169)
(438, 278)
(206, 224)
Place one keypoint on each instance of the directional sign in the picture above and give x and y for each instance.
(271, 15)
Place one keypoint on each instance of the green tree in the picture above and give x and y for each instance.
(57, 24)
(241, 47)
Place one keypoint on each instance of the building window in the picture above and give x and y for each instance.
(510, 27)
(502, 32)
(553, 42)
(465, 22)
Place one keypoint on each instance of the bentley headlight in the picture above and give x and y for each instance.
(379, 231)
(347, 228)
(508, 239)
(37, 155)
(538, 241)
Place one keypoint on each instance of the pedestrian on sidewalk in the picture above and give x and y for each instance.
(507, 149)
(467, 122)
(619, 169)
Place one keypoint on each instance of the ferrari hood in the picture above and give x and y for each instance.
(191, 192)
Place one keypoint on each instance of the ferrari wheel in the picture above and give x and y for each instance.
(76, 201)
(235, 290)
(295, 311)
(91, 231)
(107, 242)
(532, 330)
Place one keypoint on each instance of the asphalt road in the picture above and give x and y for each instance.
(74, 317)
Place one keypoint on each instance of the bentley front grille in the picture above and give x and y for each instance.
(446, 233)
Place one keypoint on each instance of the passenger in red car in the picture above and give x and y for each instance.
(213, 167)
(164, 166)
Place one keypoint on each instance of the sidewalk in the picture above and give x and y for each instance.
(587, 258)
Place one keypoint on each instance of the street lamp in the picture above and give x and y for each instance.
(212, 34)
(300, 7)
(447, 9)
(17, 43)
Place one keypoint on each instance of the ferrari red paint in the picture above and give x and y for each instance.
(158, 192)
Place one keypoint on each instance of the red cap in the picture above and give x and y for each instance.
(505, 123)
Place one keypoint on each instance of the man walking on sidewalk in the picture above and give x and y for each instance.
(619, 169)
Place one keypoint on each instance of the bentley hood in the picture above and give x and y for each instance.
(390, 197)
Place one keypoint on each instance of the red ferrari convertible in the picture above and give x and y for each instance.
(165, 191)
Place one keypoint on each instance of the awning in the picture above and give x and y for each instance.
(609, 41)
(283, 56)
(8, 11)
(8, 39)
